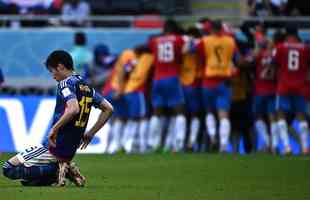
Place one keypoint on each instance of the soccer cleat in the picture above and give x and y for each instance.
(287, 150)
(75, 176)
(305, 151)
(62, 171)
(223, 148)
(274, 151)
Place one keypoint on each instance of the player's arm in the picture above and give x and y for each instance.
(106, 112)
(188, 44)
(275, 57)
(127, 62)
(72, 109)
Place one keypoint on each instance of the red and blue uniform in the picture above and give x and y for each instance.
(218, 53)
(167, 89)
(115, 84)
(291, 58)
(190, 76)
(134, 90)
(265, 83)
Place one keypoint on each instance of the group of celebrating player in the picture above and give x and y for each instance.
(166, 91)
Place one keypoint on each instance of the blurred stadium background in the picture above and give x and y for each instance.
(31, 29)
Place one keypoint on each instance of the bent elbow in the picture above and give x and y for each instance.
(75, 110)
(107, 107)
(110, 109)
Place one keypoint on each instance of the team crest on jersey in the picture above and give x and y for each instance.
(66, 92)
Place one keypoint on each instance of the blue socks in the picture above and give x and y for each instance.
(43, 173)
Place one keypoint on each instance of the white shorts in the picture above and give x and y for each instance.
(36, 155)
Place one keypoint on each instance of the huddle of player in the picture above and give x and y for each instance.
(281, 81)
(179, 83)
(171, 77)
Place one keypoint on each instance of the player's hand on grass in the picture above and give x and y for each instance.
(86, 140)
(52, 137)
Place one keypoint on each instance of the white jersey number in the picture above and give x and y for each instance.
(293, 60)
(165, 52)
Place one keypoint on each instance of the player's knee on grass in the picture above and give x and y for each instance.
(10, 171)
(29, 173)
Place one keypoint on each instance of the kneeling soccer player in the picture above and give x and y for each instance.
(50, 163)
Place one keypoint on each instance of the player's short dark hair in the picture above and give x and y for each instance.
(217, 25)
(204, 20)
(193, 31)
(291, 30)
(142, 48)
(278, 36)
(59, 57)
(80, 39)
(171, 26)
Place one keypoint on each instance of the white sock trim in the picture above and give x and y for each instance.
(283, 130)
(224, 133)
(261, 129)
(211, 125)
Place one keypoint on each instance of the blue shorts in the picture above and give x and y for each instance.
(119, 105)
(167, 93)
(192, 99)
(264, 104)
(136, 104)
(291, 103)
(218, 98)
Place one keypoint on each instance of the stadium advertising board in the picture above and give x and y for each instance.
(26, 121)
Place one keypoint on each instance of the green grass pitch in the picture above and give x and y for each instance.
(178, 177)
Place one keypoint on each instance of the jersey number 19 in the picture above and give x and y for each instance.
(165, 52)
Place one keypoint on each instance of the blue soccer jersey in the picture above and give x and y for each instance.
(69, 136)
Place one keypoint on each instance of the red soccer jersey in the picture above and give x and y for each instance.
(307, 91)
(107, 87)
(292, 59)
(307, 88)
(167, 51)
(264, 74)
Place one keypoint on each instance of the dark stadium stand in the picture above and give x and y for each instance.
(136, 7)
